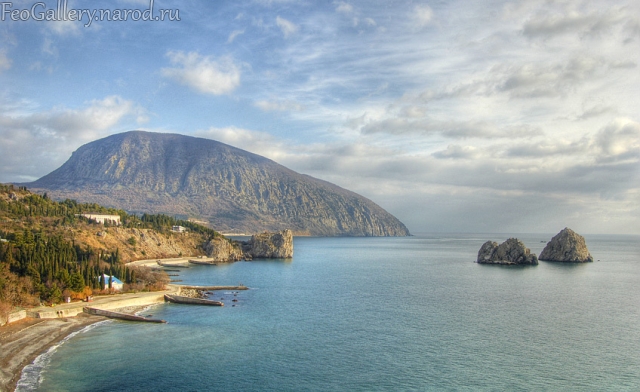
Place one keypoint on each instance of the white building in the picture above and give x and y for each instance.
(178, 229)
(101, 218)
(116, 283)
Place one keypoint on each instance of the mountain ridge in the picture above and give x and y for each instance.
(235, 190)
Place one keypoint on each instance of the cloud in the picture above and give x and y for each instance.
(66, 27)
(624, 64)
(450, 128)
(5, 62)
(455, 151)
(422, 15)
(288, 28)
(549, 24)
(233, 35)
(343, 7)
(543, 182)
(619, 142)
(35, 142)
(203, 73)
(533, 80)
(596, 111)
(269, 106)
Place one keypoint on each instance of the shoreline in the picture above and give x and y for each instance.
(23, 341)
(27, 339)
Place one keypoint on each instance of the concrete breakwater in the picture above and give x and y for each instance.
(213, 288)
(177, 299)
(120, 316)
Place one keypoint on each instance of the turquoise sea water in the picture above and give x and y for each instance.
(379, 314)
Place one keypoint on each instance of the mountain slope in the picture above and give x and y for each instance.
(233, 189)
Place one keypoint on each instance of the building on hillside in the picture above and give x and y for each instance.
(116, 283)
(178, 229)
(102, 218)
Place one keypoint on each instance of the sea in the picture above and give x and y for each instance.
(377, 314)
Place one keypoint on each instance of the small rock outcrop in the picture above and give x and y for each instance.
(568, 247)
(221, 250)
(510, 252)
(278, 245)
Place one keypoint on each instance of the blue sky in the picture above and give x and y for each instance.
(489, 116)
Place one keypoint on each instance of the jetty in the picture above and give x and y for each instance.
(178, 263)
(203, 261)
(120, 316)
(178, 299)
(213, 288)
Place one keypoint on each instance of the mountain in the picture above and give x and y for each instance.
(234, 190)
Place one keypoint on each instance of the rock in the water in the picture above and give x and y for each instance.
(510, 252)
(567, 246)
(277, 245)
(222, 250)
(486, 252)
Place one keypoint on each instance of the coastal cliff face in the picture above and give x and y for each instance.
(221, 250)
(270, 245)
(265, 245)
(568, 247)
(510, 252)
(235, 190)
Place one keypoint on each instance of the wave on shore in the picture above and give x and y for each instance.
(32, 374)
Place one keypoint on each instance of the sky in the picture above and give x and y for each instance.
(455, 116)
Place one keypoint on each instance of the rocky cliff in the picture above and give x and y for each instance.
(270, 245)
(510, 252)
(266, 245)
(566, 246)
(232, 189)
(222, 250)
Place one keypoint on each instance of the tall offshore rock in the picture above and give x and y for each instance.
(233, 189)
(567, 246)
(510, 252)
(270, 245)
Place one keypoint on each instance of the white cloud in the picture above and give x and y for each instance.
(288, 28)
(454, 151)
(233, 35)
(620, 141)
(203, 73)
(278, 105)
(36, 142)
(343, 7)
(65, 27)
(568, 20)
(5, 62)
(48, 47)
(422, 15)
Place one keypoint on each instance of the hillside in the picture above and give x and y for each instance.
(48, 248)
(23, 210)
(232, 189)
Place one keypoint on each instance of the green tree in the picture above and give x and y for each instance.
(77, 282)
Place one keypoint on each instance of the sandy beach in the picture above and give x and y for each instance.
(21, 342)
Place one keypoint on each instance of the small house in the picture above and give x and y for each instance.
(178, 229)
(116, 283)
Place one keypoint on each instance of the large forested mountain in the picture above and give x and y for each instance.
(231, 188)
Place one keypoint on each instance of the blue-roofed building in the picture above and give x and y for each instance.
(116, 283)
